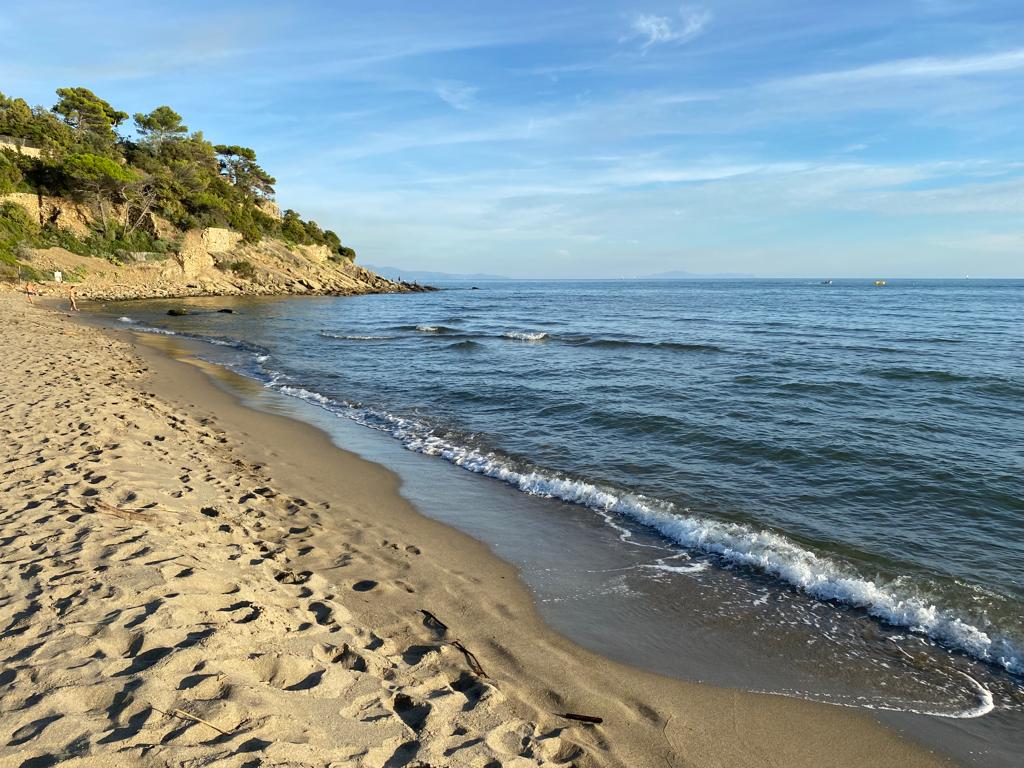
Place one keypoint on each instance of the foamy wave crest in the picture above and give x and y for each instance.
(765, 551)
(352, 337)
(125, 320)
(428, 328)
(525, 335)
(150, 329)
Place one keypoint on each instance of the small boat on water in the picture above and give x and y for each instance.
(879, 283)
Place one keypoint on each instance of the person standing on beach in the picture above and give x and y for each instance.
(28, 291)
(71, 300)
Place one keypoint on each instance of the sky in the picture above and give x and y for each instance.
(829, 138)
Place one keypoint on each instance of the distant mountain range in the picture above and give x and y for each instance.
(424, 276)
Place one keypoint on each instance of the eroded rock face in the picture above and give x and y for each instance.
(218, 240)
(193, 256)
(53, 210)
(197, 245)
(318, 254)
(270, 208)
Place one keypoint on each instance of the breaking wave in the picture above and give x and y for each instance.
(765, 551)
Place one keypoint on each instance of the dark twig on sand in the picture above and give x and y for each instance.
(471, 659)
(435, 623)
(581, 718)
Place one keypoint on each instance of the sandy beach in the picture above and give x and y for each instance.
(187, 581)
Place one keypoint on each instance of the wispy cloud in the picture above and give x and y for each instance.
(656, 30)
(455, 94)
(916, 68)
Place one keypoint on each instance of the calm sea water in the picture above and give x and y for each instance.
(855, 445)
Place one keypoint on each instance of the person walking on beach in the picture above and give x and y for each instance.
(71, 300)
(29, 291)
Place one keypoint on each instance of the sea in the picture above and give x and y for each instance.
(803, 487)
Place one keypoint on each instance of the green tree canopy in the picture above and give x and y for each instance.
(10, 174)
(88, 114)
(239, 166)
(161, 124)
(169, 172)
(95, 172)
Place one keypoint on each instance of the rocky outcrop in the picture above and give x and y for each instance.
(219, 240)
(272, 268)
(208, 262)
(195, 256)
(318, 254)
(58, 211)
(270, 208)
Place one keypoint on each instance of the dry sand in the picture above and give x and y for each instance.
(187, 582)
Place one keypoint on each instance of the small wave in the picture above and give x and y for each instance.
(525, 335)
(125, 320)
(352, 337)
(915, 374)
(676, 346)
(762, 550)
(151, 329)
(219, 341)
(262, 358)
(984, 702)
(464, 345)
(434, 329)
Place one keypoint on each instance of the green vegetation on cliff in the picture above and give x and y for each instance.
(78, 153)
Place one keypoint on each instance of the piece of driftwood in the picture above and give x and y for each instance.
(182, 714)
(581, 718)
(132, 515)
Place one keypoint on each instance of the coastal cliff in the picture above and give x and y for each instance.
(161, 213)
(207, 262)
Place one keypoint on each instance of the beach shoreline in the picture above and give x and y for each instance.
(303, 515)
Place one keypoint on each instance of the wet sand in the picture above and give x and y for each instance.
(188, 580)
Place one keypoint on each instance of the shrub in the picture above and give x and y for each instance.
(16, 227)
(31, 274)
(243, 269)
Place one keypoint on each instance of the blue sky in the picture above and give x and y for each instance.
(604, 139)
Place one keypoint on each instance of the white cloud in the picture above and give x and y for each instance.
(917, 68)
(655, 30)
(456, 94)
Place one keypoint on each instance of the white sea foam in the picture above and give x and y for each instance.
(983, 705)
(161, 331)
(262, 358)
(525, 335)
(688, 568)
(428, 329)
(125, 320)
(352, 337)
(766, 551)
